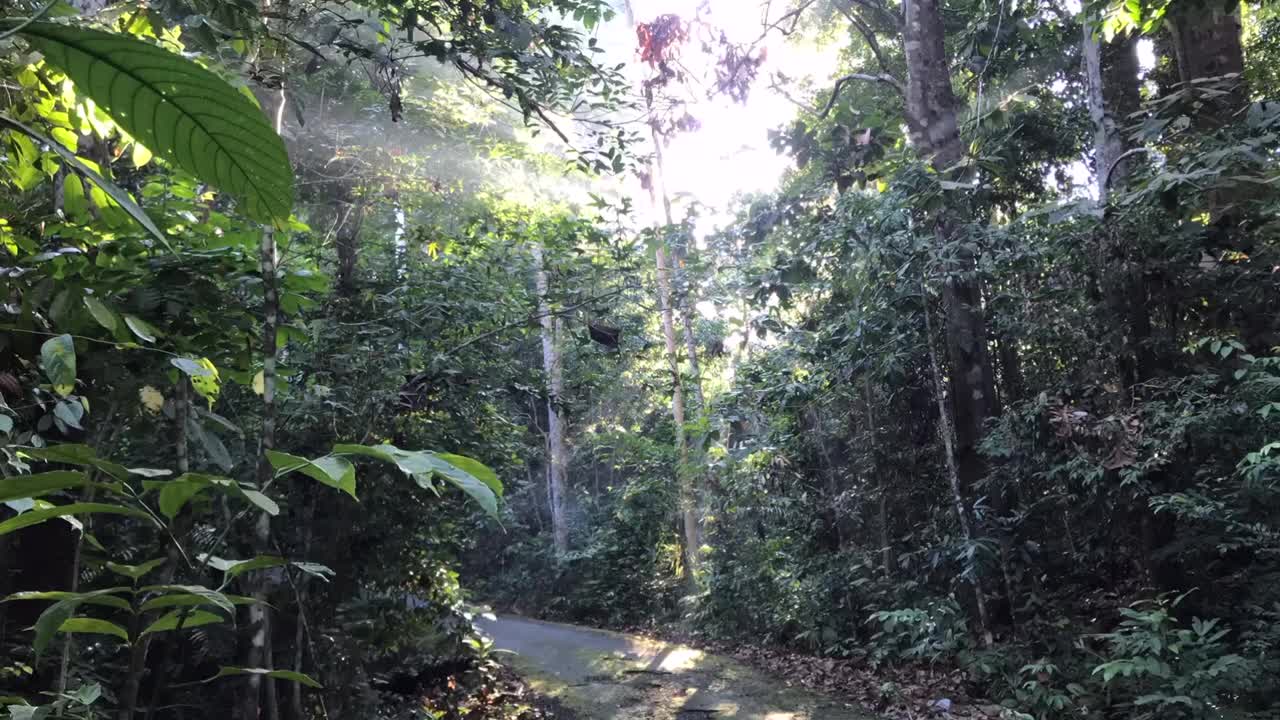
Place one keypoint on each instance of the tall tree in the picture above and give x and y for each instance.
(553, 367)
(935, 131)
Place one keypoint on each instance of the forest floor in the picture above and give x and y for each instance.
(603, 674)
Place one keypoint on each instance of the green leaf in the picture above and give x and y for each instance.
(135, 572)
(194, 618)
(58, 360)
(35, 517)
(235, 568)
(106, 599)
(175, 494)
(477, 469)
(190, 595)
(87, 694)
(179, 110)
(289, 675)
(74, 454)
(23, 486)
(70, 412)
(263, 502)
(105, 316)
(53, 617)
(329, 470)
(422, 464)
(469, 484)
(141, 328)
(93, 626)
(115, 192)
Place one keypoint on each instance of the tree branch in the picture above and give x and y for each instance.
(835, 91)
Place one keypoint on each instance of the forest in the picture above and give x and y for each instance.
(687, 359)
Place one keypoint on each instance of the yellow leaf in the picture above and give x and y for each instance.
(259, 383)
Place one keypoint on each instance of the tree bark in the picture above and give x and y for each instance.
(258, 654)
(553, 365)
(1111, 77)
(1206, 40)
(934, 130)
(347, 240)
(946, 434)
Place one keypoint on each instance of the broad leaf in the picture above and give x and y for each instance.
(25, 486)
(105, 316)
(421, 465)
(106, 599)
(192, 596)
(477, 469)
(73, 454)
(53, 617)
(179, 110)
(333, 471)
(171, 620)
(93, 626)
(35, 517)
(141, 328)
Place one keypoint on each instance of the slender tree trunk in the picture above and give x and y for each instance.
(688, 513)
(945, 432)
(666, 304)
(347, 241)
(258, 654)
(553, 365)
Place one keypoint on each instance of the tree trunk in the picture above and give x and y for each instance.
(1206, 40)
(934, 130)
(551, 363)
(257, 654)
(347, 240)
(666, 304)
(689, 517)
(1111, 76)
(947, 436)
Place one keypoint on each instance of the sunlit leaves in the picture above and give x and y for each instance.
(179, 110)
(423, 465)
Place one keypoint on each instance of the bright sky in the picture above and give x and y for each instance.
(730, 154)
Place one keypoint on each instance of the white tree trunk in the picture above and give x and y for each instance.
(553, 365)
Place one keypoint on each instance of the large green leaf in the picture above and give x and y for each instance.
(421, 465)
(35, 517)
(23, 486)
(475, 468)
(333, 471)
(179, 110)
